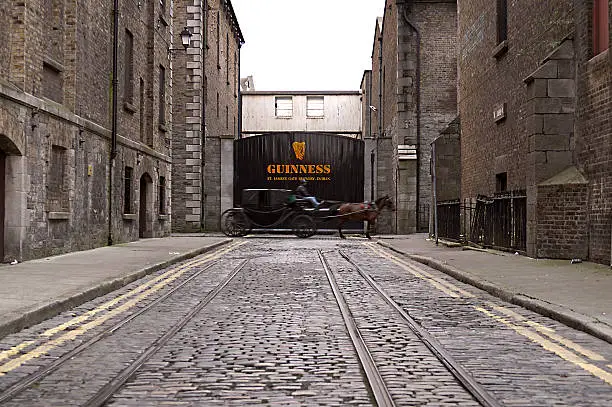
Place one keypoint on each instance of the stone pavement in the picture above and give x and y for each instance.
(578, 295)
(35, 290)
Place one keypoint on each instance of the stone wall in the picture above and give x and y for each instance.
(57, 165)
(206, 109)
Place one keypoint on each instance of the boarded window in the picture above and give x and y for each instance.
(127, 189)
(162, 95)
(218, 41)
(601, 26)
(142, 110)
(53, 83)
(283, 106)
(162, 195)
(314, 106)
(57, 193)
(502, 20)
(128, 75)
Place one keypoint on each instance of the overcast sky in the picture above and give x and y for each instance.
(307, 44)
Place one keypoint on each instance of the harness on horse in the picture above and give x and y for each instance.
(368, 205)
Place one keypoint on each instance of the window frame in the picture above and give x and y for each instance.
(311, 111)
(288, 112)
(128, 180)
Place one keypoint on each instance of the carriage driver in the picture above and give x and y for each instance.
(302, 192)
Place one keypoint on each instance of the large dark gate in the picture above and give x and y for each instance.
(332, 164)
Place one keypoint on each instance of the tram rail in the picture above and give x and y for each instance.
(380, 391)
(105, 393)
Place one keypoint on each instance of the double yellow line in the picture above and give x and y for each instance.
(538, 333)
(439, 283)
(131, 298)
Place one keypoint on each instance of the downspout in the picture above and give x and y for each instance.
(418, 111)
(380, 85)
(113, 152)
(369, 109)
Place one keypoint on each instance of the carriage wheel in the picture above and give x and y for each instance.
(234, 223)
(303, 226)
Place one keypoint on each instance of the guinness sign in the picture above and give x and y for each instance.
(333, 164)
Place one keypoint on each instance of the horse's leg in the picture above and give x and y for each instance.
(367, 233)
(340, 223)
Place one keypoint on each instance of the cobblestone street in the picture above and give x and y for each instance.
(258, 323)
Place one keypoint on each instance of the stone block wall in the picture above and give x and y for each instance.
(207, 110)
(56, 193)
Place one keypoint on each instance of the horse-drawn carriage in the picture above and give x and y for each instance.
(271, 209)
(280, 209)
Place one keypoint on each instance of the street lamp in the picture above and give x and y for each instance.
(185, 37)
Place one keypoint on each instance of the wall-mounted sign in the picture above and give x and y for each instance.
(499, 112)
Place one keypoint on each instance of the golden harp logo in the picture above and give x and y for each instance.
(299, 149)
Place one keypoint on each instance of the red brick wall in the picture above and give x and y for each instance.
(562, 221)
(594, 132)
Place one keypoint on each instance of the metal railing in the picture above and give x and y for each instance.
(498, 222)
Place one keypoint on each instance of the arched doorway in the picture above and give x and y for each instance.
(145, 228)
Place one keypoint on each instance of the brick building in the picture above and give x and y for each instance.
(206, 113)
(535, 103)
(413, 92)
(56, 125)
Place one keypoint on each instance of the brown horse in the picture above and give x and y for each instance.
(363, 212)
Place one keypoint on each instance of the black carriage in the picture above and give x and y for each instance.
(272, 210)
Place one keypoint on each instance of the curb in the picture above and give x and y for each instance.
(50, 310)
(564, 315)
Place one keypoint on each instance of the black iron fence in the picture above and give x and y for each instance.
(449, 220)
(498, 222)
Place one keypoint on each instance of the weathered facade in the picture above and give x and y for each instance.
(337, 112)
(535, 118)
(414, 73)
(58, 189)
(206, 113)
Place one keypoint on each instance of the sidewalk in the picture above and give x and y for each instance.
(35, 290)
(578, 295)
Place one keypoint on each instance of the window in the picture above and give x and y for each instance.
(218, 42)
(227, 59)
(283, 106)
(52, 83)
(314, 106)
(57, 192)
(226, 117)
(142, 109)
(601, 26)
(217, 105)
(127, 190)
(162, 195)
(128, 74)
(502, 20)
(162, 95)
(501, 182)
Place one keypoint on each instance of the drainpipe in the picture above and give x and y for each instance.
(113, 152)
(380, 85)
(418, 109)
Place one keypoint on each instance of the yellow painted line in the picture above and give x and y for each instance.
(441, 284)
(142, 287)
(552, 347)
(549, 332)
(71, 335)
(15, 350)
